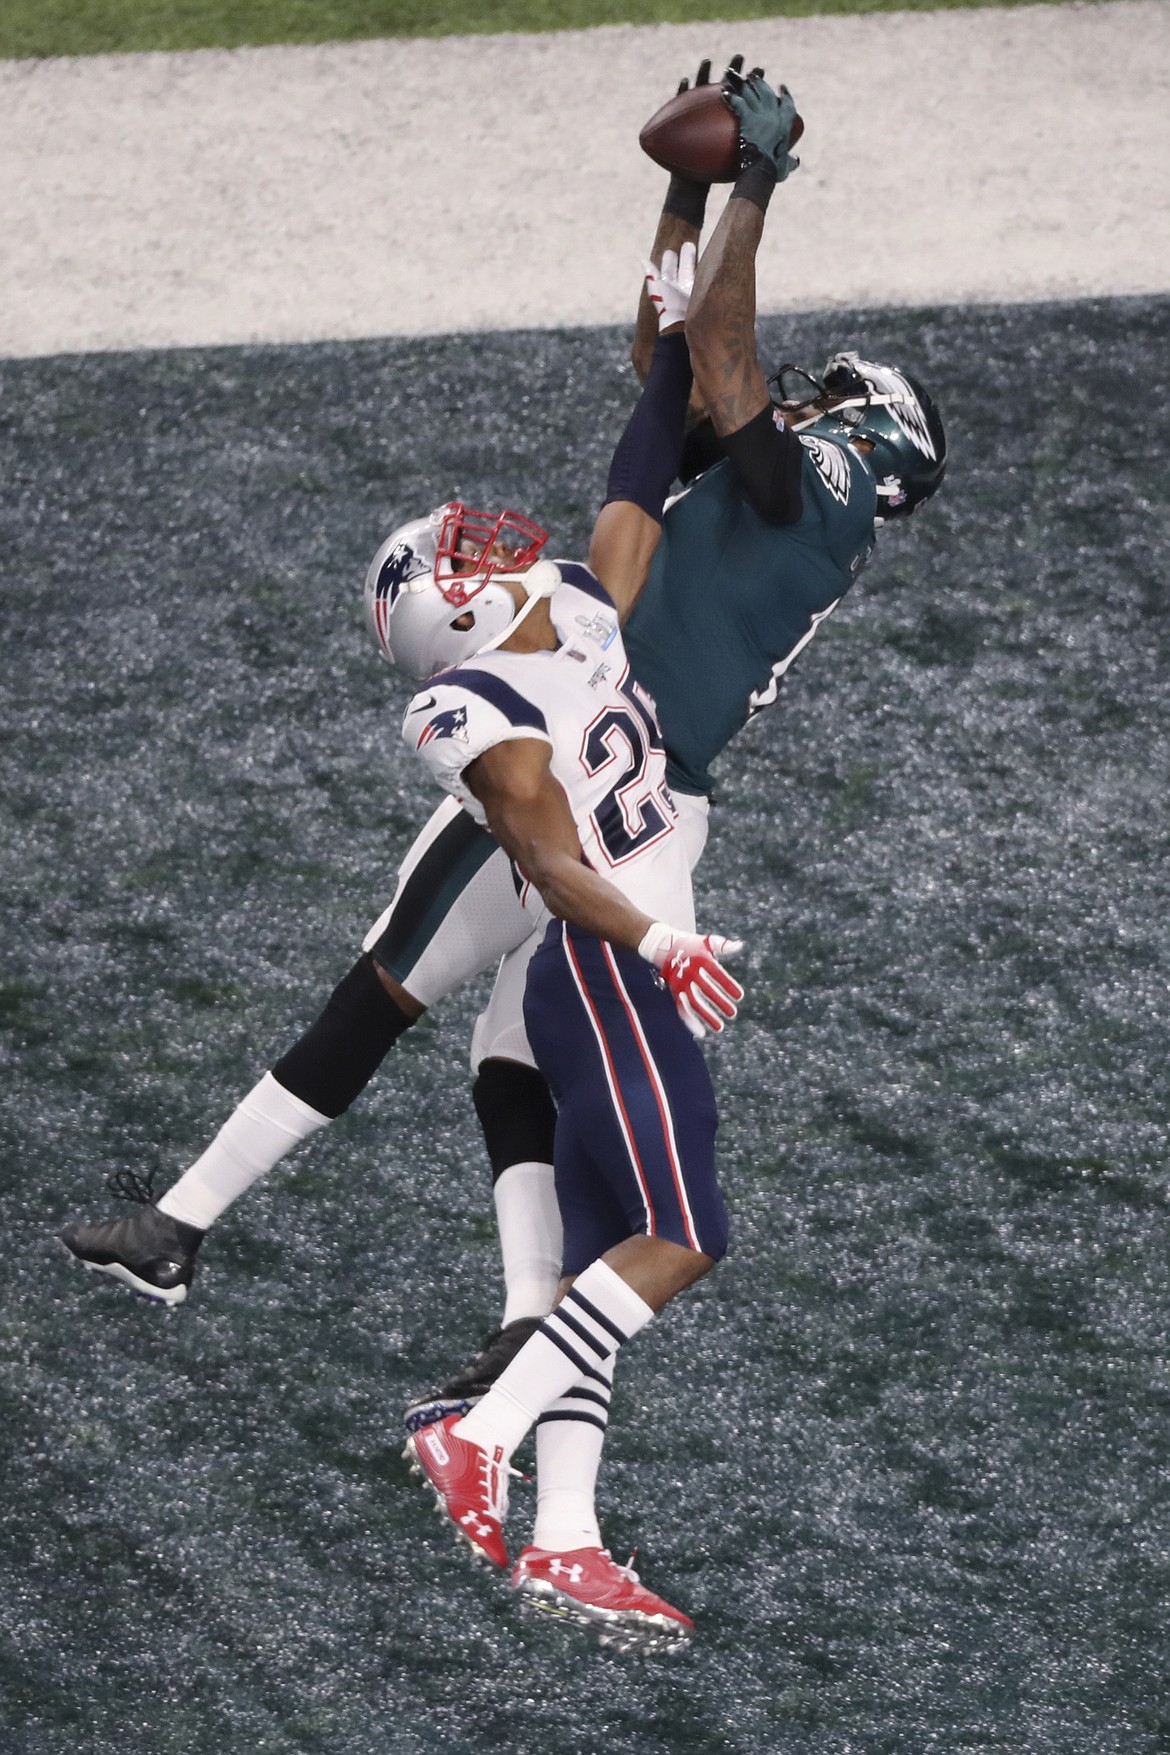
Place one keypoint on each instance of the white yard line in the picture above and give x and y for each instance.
(402, 188)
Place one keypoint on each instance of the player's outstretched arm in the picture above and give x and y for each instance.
(529, 816)
(672, 234)
(680, 222)
(721, 321)
(646, 458)
(721, 324)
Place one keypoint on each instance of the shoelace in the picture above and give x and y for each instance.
(627, 1570)
(128, 1185)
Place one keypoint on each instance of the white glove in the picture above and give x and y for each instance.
(707, 997)
(670, 286)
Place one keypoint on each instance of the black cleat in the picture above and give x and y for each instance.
(456, 1396)
(146, 1249)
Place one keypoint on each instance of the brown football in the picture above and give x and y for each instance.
(696, 135)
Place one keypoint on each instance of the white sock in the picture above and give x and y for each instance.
(569, 1437)
(597, 1313)
(531, 1239)
(268, 1123)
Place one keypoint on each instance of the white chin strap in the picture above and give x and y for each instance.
(798, 426)
(876, 400)
(539, 580)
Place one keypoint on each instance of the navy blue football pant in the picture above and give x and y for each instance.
(636, 1120)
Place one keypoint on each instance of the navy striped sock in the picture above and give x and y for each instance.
(574, 1344)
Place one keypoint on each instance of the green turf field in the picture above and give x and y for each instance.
(93, 27)
(904, 1455)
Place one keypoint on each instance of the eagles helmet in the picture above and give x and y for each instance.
(435, 591)
(856, 399)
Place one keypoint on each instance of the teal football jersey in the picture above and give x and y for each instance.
(731, 599)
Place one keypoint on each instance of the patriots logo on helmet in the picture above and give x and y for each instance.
(401, 564)
(452, 722)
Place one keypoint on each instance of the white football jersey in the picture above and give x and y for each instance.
(603, 732)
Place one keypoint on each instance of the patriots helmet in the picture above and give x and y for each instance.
(435, 591)
(857, 399)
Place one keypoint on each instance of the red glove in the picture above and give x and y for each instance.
(707, 997)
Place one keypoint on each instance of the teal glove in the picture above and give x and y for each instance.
(766, 120)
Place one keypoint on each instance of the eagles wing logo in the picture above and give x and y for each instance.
(832, 465)
(452, 722)
(904, 407)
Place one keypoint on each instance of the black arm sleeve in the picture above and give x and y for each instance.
(701, 451)
(767, 461)
(646, 460)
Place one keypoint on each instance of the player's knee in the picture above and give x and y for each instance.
(338, 1055)
(516, 1113)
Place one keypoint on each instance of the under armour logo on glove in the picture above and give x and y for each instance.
(707, 997)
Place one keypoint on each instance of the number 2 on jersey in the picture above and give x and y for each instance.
(633, 812)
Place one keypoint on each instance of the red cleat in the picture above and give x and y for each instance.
(586, 1586)
(470, 1484)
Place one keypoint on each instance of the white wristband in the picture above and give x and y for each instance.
(656, 943)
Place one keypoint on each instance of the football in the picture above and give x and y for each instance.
(696, 135)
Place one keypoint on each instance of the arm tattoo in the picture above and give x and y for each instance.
(721, 323)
